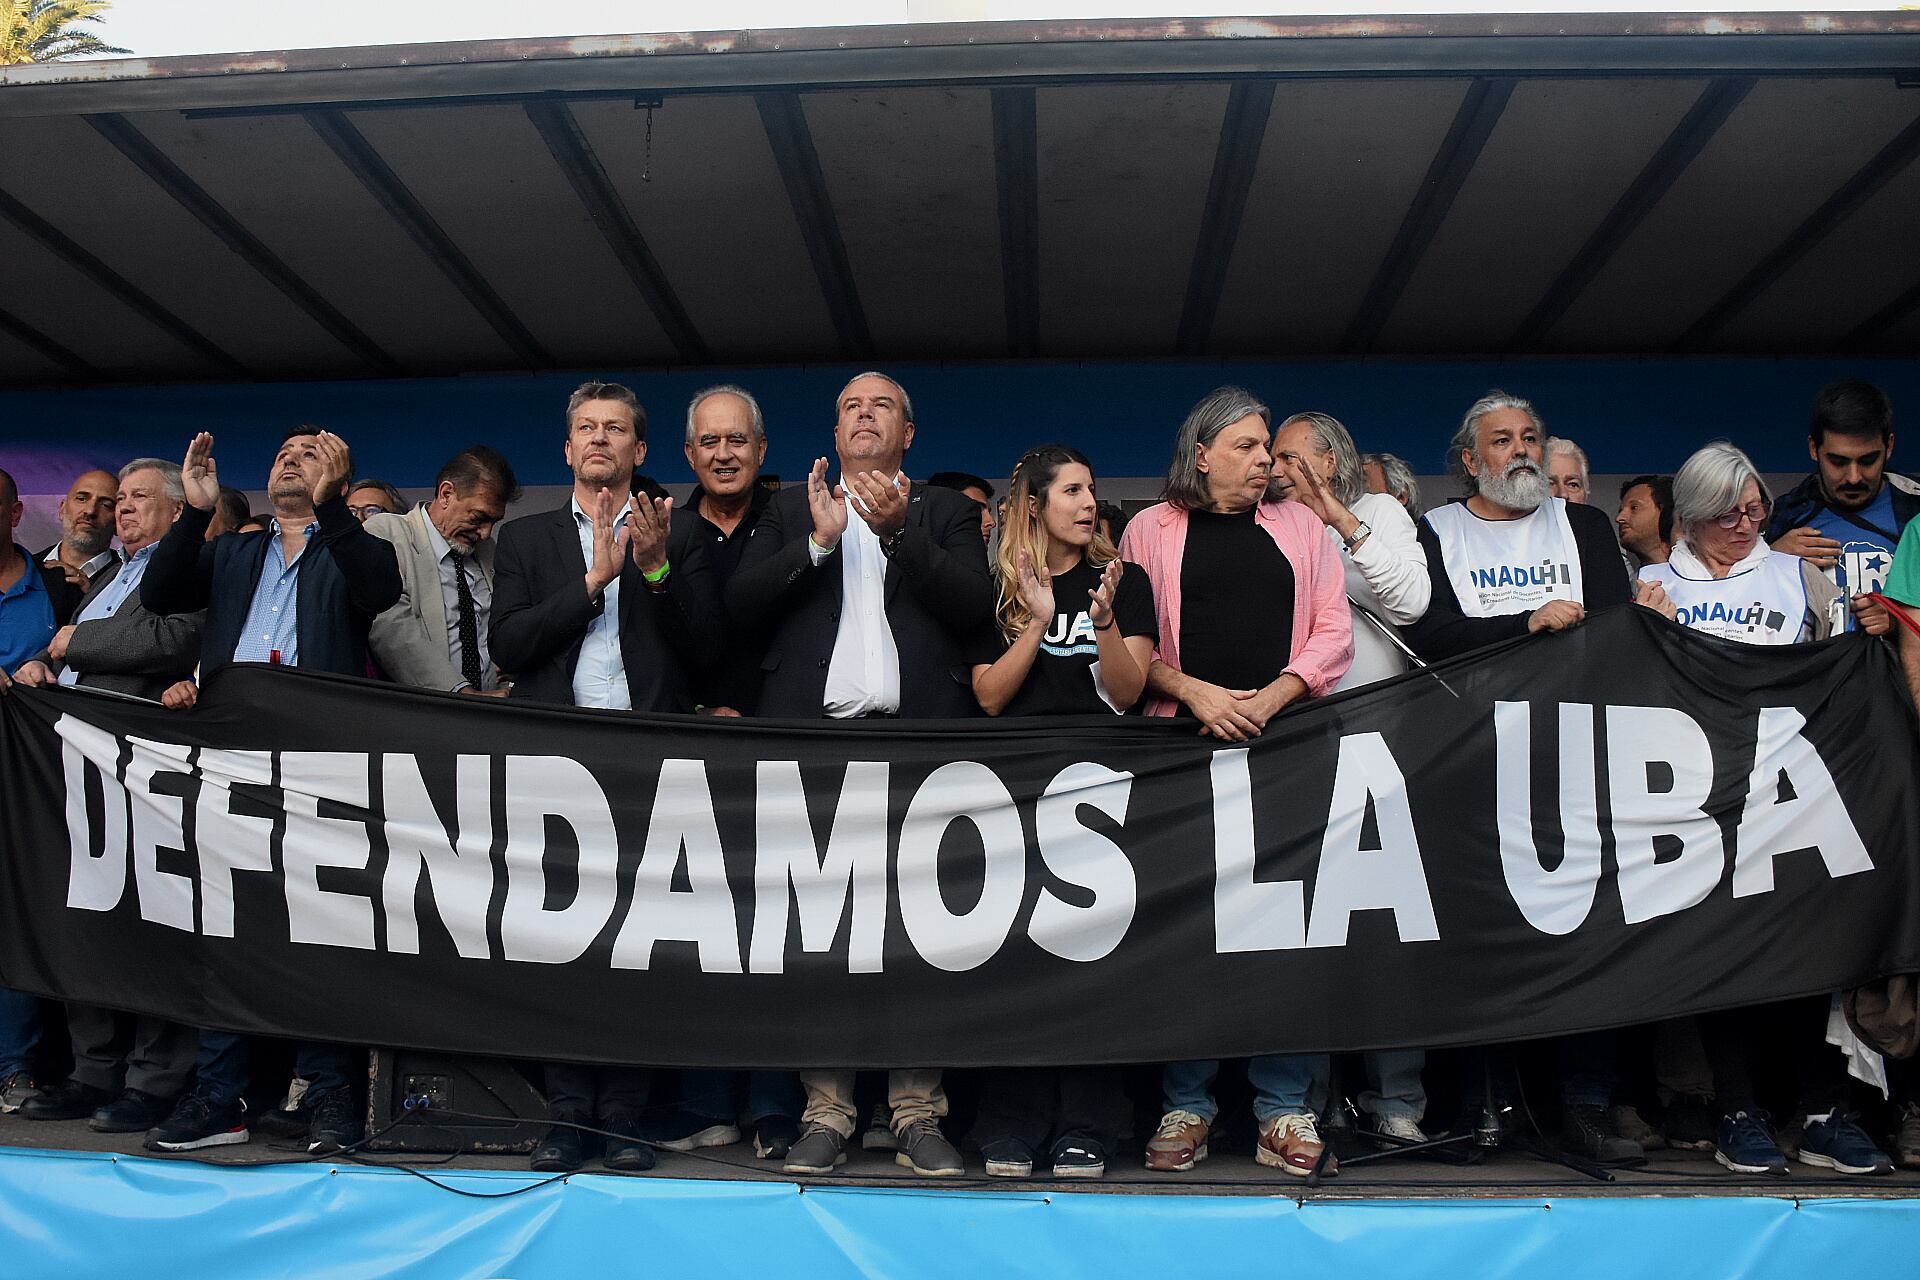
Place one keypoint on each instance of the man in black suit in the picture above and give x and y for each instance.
(302, 593)
(591, 609)
(868, 590)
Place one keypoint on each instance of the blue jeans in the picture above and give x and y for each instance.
(19, 1031)
(1280, 1084)
(714, 1095)
(224, 1067)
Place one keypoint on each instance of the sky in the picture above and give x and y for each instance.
(160, 28)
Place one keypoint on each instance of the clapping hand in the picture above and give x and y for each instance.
(609, 535)
(335, 466)
(1036, 590)
(829, 511)
(881, 500)
(1100, 598)
(648, 524)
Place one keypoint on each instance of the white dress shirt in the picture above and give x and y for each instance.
(864, 676)
(451, 562)
(600, 677)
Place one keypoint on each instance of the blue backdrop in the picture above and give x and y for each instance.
(1631, 415)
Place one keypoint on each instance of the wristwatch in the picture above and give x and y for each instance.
(891, 543)
(1360, 534)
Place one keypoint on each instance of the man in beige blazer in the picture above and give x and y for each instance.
(436, 636)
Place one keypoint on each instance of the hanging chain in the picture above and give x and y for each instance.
(646, 164)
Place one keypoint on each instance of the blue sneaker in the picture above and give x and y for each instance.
(1839, 1144)
(1744, 1144)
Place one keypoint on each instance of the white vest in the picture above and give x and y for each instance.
(1762, 600)
(1502, 567)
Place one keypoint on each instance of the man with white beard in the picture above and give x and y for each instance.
(1509, 559)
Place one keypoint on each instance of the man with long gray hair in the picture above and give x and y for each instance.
(1389, 473)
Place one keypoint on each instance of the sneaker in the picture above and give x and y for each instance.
(1906, 1141)
(1689, 1124)
(1745, 1145)
(879, 1134)
(631, 1154)
(1179, 1143)
(197, 1121)
(1079, 1158)
(69, 1100)
(680, 1130)
(926, 1151)
(1008, 1158)
(563, 1150)
(774, 1136)
(336, 1125)
(1291, 1142)
(134, 1111)
(1840, 1144)
(819, 1150)
(1401, 1128)
(16, 1089)
(1587, 1130)
(1634, 1127)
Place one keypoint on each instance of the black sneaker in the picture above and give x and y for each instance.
(1079, 1158)
(134, 1111)
(197, 1121)
(336, 1124)
(1008, 1158)
(819, 1150)
(68, 1100)
(681, 1130)
(627, 1153)
(926, 1151)
(563, 1150)
(1588, 1131)
(1690, 1124)
(774, 1136)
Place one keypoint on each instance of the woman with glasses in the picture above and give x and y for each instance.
(1722, 577)
(1725, 581)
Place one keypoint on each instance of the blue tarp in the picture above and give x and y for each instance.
(72, 1215)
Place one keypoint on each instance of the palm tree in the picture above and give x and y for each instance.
(43, 30)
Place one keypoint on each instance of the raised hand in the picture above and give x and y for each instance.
(1100, 598)
(881, 500)
(1311, 491)
(648, 524)
(829, 512)
(608, 535)
(198, 475)
(1036, 590)
(335, 466)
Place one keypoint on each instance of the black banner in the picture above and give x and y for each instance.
(1620, 823)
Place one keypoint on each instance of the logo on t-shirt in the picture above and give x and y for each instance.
(1544, 574)
(1719, 619)
(1070, 634)
(1863, 567)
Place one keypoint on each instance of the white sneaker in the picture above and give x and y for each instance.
(1404, 1128)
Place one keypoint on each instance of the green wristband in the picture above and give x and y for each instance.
(659, 575)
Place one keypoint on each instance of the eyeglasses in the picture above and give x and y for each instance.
(373, 509)
(1754, 511)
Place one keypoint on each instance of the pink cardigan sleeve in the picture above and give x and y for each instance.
(1327, 650)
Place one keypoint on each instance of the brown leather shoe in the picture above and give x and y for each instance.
(1291, 1142)
(1179, 1144)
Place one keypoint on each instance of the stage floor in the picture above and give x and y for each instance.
(1503, 1174)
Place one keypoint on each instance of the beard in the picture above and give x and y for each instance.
(1521, 487)
(89, 539)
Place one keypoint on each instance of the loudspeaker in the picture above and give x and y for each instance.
(513, 1111)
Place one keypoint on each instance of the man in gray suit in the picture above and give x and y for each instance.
(125, 1085)
(436, 636)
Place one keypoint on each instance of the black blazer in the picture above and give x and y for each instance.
(938, 594)
(541, 614)
(348, 578)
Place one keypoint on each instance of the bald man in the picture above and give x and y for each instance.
(85, 550)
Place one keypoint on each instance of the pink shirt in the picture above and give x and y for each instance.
(1321, 647)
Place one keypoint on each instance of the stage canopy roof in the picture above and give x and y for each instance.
(1603, 185)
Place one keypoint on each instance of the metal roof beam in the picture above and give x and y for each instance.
(1472, 125)
(191, 196)
(1841, 205)
(1241, 134)
(1016, 167)
(1869, 330)
(385, 185)
(1689, 138)
(67, 250)
(32, 337)
(578, 160)
(785, 121)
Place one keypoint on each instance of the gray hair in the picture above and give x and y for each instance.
(1219, 409)
(1400, 480)
(728, 389)
(169, 476)
(1560, 444)
(1709, 483)
(1330, 436)
(1467, 438)
(906, 401)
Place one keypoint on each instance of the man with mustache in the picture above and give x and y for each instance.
(85, 550)
(1509, 558)
(1846, 518)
